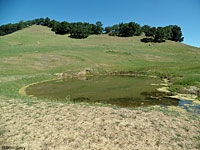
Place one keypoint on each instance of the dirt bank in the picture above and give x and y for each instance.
(46, 126)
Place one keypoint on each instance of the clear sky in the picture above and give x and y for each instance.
(184, 13)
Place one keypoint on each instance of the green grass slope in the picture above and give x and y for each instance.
(37, 53)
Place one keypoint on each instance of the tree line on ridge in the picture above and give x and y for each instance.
(81, 30)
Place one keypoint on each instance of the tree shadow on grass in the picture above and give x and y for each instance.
(147, 40)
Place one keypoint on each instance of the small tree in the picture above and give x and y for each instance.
(160, 35)
(92, 28)
(145, 29)
(168, 31)
(47, 22)
(151, 32)
(108, 29)
(124, 30)
(99, 28)
(40, 21)
(177, 34)
(21, 25)
(131, 29)
(62, 28)
(138, 31)
(53, 24)
(115, 28)
(79, 30)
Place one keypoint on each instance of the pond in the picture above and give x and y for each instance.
(121, 91)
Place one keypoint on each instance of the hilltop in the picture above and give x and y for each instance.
(81, 30)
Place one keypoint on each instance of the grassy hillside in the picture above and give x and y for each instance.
(37, 53)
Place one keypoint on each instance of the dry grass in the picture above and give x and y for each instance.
(37, 61)
(49, 126)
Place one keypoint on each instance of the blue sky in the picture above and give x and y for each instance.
(185, 13)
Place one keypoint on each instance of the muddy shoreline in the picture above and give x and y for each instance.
(83, 75)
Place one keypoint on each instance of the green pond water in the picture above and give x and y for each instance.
(122, 91)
